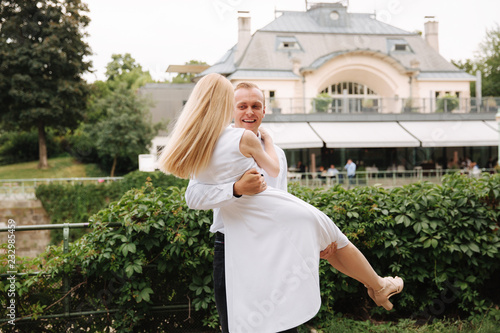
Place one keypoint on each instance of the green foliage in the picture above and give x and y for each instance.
(41, 63)
(160, 254)
(487, 60)
(321, 102)
(187, 77)
(490, 60)
(447, 103)
(126, 131)
(66, 203)
(441, 239)
(118, 126)
(22, 146)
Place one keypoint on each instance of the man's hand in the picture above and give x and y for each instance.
(252, 182)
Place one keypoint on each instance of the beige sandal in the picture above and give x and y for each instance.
(393, 286)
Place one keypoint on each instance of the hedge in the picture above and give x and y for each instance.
(441, 239)
(66, 203)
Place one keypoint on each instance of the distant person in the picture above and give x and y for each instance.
(332, 171)
(301, 167)
(350, 167)
(475, 171)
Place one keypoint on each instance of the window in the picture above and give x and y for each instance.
(353, 88)
(288, 43)
(400, 47)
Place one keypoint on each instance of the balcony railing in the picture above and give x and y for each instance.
(347, 105)
(386, 178)
(25, 188)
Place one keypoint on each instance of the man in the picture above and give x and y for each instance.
(351, 171)
(249, 111)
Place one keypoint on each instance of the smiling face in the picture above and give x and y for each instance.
(249, 108)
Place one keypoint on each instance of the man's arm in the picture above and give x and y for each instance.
(205, 196)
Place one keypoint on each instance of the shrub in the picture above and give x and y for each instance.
(321, 102)
(441, 239)
(447, 103)
(17, 147)
(66, 203)
(160, 254)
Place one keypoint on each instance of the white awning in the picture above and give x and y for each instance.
(493, 124)
(452, 133)
(364, 135)
(293, 135)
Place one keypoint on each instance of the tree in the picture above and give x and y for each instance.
(123, 68)
(187, 77)
(490, 62)
(126, 131)
(41, 65)
(487, 60)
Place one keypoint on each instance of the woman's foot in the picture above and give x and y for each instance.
(392, 286)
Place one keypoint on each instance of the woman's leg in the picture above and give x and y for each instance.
(350, 261)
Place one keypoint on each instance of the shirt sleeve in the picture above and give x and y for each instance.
(205, 196)
(282, 182)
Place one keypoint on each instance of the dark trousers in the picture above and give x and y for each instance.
(220, 284)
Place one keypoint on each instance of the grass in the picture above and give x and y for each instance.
(343, 325)
(59, 167)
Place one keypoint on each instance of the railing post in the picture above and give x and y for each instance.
(66, 279)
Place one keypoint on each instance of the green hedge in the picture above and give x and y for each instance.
(442, 239)
(66, 203)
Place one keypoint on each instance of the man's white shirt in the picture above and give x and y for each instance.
(208, 196)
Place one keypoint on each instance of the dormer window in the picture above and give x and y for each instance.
(287, 44)
(398, 45)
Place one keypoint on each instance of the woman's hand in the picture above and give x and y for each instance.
(264, 135)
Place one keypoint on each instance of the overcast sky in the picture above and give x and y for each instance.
(158, 33)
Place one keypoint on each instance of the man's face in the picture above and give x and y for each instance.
(249, 109)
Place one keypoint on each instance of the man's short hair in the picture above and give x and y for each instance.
(250, 85)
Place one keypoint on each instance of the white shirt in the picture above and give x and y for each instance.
(205, 196)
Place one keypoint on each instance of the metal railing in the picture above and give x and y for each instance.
(372, 104)
(387, 178)
(25, 188)
(66, 227)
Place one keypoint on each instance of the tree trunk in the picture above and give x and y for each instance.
(42, 147)
(113, 167)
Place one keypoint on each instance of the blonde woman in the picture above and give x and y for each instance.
(273, 239)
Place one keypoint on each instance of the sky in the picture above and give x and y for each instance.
(159, 33)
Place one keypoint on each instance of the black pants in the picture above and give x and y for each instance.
(220, 284)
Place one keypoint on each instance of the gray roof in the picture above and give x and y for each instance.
(321, 39)
(446, 76)
(306, 22)
(245, 73)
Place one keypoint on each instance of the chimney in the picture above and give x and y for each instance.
(431, 33)
(243, 34)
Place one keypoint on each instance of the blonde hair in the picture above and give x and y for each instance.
(207, 113)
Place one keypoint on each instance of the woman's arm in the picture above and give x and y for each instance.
(251, 146)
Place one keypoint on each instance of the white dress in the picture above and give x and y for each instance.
(272, 245)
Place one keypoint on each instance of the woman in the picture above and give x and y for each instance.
(272, 251)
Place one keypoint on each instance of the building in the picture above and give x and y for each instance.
(342, 85)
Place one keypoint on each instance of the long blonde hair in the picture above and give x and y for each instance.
(207, 113)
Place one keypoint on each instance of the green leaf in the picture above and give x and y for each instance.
(474, 247)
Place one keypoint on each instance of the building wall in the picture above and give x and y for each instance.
(168, 100)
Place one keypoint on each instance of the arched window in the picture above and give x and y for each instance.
(360, 98)
(353, 88)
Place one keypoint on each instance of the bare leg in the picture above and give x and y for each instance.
(350, 261)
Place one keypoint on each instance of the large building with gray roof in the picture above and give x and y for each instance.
(326, 70)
